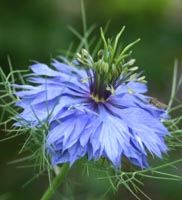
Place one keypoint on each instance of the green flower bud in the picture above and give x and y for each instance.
(105, 67)
(100, 53)
(133, 76)
(131, 62)
(141, 78)
(133, 69)
(124, 71)
(114, 70)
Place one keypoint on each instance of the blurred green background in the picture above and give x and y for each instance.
(37, 30)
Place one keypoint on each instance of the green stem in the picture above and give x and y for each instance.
(56, 182)
(174, 83)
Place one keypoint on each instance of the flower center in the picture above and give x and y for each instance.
(111, 69)
(96, 99)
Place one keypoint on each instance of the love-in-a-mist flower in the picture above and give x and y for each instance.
(94, 108)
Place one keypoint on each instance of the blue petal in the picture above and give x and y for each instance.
(42, 69)
(69, 69)
(132, 86)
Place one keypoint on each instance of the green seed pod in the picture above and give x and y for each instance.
(100, 66)
(106, 67)
(114, 70)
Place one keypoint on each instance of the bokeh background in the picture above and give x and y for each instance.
(38, 30)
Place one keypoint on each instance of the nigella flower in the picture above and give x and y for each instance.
(94, 108)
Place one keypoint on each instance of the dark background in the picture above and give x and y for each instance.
(37, 30)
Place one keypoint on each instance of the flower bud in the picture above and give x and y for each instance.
(105, 67)
(133, 69)
(131, 62)
(114, 70)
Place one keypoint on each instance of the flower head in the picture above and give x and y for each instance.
(94, 107)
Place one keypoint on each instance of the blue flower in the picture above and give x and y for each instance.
(93, 108)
